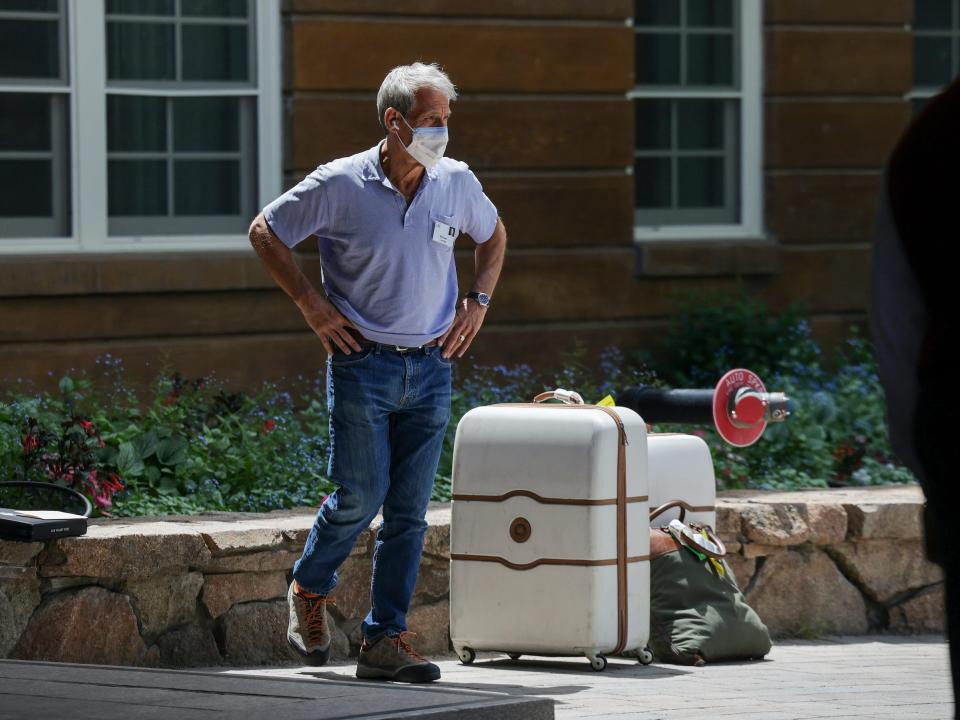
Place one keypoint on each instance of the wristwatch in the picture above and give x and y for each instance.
(480, 297)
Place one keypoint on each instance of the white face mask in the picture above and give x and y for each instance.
(427, 145)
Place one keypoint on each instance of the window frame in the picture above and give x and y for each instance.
(925, 92)
(59, 90)
(87, 113)
(749, 68)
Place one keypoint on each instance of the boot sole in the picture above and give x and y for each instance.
(407, 674)
(315, 658)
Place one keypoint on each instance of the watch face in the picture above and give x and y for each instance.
(483, 298)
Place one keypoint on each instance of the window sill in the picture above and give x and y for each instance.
(716, 257)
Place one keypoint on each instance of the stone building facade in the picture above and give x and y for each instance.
(638, 153)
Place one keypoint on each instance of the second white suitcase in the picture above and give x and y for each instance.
(681, 469)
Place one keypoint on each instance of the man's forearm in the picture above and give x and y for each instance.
(488, 258)
(279, 261)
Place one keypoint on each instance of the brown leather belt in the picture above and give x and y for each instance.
(398, 348)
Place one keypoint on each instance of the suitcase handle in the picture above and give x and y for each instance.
(567, 397)
(711, 535)
(684, 508)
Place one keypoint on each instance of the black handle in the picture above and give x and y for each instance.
(669, 406)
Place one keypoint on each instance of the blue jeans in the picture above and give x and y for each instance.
(388, 417)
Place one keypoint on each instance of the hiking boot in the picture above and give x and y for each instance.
(392, 658)
(308, 631)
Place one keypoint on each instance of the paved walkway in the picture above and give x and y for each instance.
(881, 677)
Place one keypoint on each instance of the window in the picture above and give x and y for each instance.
(697, 106)
(936, 47)
(34, 123)
(175, 118)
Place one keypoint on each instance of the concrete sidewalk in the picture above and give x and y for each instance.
(863, 677)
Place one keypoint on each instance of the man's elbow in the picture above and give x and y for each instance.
(260, 234)
(257, 227)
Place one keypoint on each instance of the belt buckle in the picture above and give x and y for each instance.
(402, 349)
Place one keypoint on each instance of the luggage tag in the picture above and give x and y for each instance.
(444, 234)
(608, 401)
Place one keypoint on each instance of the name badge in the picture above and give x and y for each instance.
(444, 234)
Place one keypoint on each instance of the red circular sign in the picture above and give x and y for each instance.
(725, 391)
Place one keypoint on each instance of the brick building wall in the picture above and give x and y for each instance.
(544, 121)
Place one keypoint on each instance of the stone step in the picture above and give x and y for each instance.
(104, 692)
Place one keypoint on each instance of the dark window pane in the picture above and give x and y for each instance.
(932, 14)
(652, 118)
(24, 121)
(140, 51)
(30, 5)
(26, 188)
(931, 61)
(207, 187)
(700, 124)
(657, 59)
(136, 124)
(215, 52)
(214, 8)
(140, 7)
(31, 49)
(656, 12)
(710, 60)
(700, 182)
(651, 182)
(137, 187)
(206, 124)
(710, 13)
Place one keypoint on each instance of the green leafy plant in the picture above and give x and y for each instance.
(192, 445)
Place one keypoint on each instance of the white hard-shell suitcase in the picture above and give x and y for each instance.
(681, 468)
(550, 539)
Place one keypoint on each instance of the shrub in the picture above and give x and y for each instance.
(192, 446)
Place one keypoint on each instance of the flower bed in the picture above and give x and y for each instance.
(192, 444)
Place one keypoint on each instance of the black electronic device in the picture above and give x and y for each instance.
(34, 525)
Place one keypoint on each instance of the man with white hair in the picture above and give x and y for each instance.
(389, 318)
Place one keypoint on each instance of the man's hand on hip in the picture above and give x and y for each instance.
(328, 323)
(465, 327)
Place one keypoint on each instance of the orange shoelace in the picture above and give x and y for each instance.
(401, 642)
(316, 616)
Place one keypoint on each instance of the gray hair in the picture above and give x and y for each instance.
(401, 84)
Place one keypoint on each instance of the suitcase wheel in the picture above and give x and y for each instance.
(467, 655)
(645, 656)
(598, 662)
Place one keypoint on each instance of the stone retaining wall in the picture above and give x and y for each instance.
(847, 561)
(210, 589)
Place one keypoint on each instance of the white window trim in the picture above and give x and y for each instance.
(751, 141)
(925, 92)
(88, 140)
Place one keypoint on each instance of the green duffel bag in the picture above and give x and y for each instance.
(697, 612)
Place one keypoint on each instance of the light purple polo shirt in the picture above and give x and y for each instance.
(381, 266)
